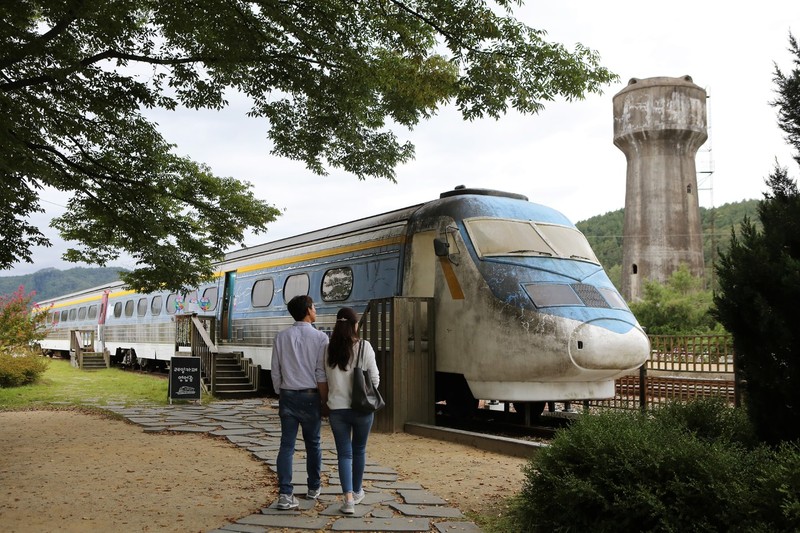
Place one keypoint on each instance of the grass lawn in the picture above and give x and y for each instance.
(63, 384)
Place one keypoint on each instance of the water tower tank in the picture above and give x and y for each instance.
(659, 123)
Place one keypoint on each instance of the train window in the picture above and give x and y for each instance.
(568, 242)
(295, 286)
(209, 300)
(129, 308)
(117, 309)
(64, 315)
(550, 295)
(73, 314)
(141, 307)
(155, 305)
(92, 313)
(55, 317)
(337, 283)
(262, 293)
(81, 313)
(172, 304)
(494, 236)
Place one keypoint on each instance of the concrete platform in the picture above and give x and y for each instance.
(391, 504)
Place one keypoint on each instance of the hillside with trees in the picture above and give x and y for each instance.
(604, 233)
(51, 282)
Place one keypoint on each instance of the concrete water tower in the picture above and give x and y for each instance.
(659, 123)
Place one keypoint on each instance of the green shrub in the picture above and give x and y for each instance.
(710, 420)
(679, 469)
(20, 370)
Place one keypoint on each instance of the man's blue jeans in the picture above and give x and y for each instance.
(350, 431)
(298, 408)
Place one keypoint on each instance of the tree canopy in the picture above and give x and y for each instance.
(759, 280)
(331, 78)
(678, 307)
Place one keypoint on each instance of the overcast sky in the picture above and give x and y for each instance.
(564, 157)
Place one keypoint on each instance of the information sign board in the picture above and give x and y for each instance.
(184, 378)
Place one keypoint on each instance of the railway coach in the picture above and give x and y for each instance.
(524, 311)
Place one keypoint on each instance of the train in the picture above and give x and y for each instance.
(524, 311)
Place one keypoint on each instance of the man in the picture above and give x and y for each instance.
(298, 375)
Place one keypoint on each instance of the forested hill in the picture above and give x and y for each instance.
(605, 231)
(51, 282)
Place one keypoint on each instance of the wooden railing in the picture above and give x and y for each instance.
(679, 368)
(398, 328)
(81, 341)
(198, 334)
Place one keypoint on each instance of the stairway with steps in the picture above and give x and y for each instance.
(232, 379)
(93, 361)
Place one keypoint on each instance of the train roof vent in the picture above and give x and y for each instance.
(461, 189)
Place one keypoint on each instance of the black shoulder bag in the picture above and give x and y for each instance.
(366, 398)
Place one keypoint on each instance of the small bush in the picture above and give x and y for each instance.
(682, 468)
(710, 420)
(20, 370)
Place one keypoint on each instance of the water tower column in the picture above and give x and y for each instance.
(659, 124)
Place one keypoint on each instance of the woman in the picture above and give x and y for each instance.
(350, 427)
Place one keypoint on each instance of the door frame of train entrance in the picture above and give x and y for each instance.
(227, 304)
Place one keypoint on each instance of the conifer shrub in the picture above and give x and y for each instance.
(692, 467)
(20, 370)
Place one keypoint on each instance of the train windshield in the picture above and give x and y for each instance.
(494, 237)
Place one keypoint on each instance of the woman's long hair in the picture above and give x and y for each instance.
(340, 347)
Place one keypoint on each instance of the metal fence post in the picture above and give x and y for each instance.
(643, 388)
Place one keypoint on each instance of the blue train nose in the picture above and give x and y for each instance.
(608, 344)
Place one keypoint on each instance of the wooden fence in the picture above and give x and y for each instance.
(680, 368)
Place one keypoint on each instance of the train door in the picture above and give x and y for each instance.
(226, 331)
(101, 323)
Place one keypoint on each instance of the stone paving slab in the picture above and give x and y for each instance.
(382, 512)
(293, 522)
(226, 432)
(421, 497)
(397, 485)
(430, 511)
(333, 510)
(193, 429)
(381, 524)
(379, 477)
(457, 527)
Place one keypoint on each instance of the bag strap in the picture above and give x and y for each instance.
(360, 352)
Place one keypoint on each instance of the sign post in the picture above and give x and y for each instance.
(184, 378)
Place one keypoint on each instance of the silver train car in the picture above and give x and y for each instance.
(524, 311)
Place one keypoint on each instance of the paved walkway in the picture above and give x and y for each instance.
(391, 503)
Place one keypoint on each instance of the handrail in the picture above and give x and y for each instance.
(198, 333)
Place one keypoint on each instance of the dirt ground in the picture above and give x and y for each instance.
(75, 472)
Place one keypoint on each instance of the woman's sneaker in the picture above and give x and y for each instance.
(358, 497)
(287, 501)
(348, 507)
